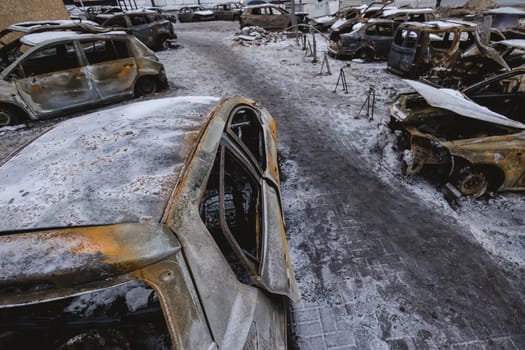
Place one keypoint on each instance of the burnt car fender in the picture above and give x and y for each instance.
(9, 96)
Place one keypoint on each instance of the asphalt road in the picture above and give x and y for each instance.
(378, 268)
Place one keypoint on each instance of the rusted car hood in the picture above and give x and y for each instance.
(456, 102)
(124, 171)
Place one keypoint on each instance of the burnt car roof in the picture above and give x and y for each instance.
(113, 166)
(34, 39)
(32, 25)
(442, 24)
(455, 101)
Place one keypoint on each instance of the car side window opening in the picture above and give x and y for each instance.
(371, 30)
(246, 127)
(137, 20)
(231, 210)
(117, 22)
(57, 57)
(98, 51)
(384, 29)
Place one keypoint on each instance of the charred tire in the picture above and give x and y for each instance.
(472, 181)
(162, 43)
(146, 85)
(9, 116)
(366, 55)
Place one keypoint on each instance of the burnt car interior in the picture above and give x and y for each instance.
(505, 96)
(129, 318)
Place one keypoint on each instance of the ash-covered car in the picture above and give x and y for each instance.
(465, 143)
(195, 13)
(369, 41)
(349, 13)
(269, 17)
(482, 62)
(419, 47)
(150, 27)
(228, 11)
(50, 73)
(154, 225)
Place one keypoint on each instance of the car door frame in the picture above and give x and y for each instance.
(244, 312)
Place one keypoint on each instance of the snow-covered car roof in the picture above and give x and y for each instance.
(38, 38)
(506, 11)
(395, 11)
(118, 165)
(443, 24)
(455, 101)
(517, 43)
(32, 25)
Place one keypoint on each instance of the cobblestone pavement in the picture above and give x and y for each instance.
(377, 268)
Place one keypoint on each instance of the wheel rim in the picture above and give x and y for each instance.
(474, 183)
(146, 86)
(5, 118)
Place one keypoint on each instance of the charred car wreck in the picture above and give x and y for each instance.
(369, 41)
(420, 47)
(473, 147)
(184, 248)
(44, 74)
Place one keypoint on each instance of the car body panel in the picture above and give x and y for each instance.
(153, 230)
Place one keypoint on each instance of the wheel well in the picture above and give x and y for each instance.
(368, 50)
(22, 114)
(494, 174)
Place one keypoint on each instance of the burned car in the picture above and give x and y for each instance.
(50, 73)
(150, 27)
(155, 223)
(468, 145)
(228, 11)
(346, 13)
(477, 64)
(381, 11)
(420, 47)
(269, 17)
(369, 41)
(195, 13)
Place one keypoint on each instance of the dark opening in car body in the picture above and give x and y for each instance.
(150, 27)
(369, 41)
(171, 205)
(50, 73)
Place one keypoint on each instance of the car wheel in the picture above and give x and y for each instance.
(9, 116)
(366, 55)
(162, 44)
(472, 181)
(145, 86)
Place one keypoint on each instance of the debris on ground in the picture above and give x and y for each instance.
(256, 36)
